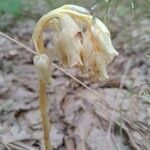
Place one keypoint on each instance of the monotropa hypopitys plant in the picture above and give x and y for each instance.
(79, 40)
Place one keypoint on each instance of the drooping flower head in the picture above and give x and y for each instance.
(78, 40)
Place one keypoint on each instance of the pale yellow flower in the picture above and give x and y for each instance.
(79, 40)
(67, 46)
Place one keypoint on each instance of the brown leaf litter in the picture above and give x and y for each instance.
(80, 120)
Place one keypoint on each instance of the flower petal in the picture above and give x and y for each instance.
(67, 42)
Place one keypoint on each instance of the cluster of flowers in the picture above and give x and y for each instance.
(78, 38)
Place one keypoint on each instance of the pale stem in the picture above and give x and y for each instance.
(43, 104)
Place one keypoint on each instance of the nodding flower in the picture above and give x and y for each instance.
(78, 40)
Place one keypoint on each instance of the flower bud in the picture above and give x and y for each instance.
(42, 66)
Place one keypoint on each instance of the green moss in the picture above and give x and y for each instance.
(13, 7)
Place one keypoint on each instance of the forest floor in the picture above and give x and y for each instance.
(80, 119)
